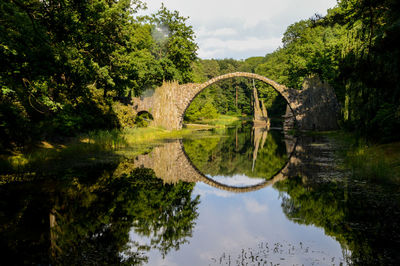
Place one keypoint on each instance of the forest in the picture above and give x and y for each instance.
(71, 66)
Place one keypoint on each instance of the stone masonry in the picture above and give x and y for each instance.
(170, 163)
(314, 107)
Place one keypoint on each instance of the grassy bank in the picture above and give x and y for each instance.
(94, 147)
(99, 146)
(220, 121)
(374, 162)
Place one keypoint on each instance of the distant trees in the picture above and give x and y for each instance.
(355, 48)
(233, 96)
(217, 156)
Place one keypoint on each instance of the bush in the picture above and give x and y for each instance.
(125, 114)
(196, 111)
(15, 126)
(386, 124)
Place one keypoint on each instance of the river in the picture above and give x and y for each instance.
(231, 196)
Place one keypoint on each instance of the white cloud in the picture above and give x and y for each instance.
(204, 190)
(215, 47)
(238, 28)
(204, 33)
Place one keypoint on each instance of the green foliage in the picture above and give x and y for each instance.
(232, 97)
(175, 41)
(215, 155)
(201, 108)
(98, 217)
(64, 62)
(308, 48)
(125, 114)
(356, 49)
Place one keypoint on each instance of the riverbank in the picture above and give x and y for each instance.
(365, 160)
(101, 145)
(374, 162)
(220, 122)
(93, 147)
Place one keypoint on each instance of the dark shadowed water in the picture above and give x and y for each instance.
(237, 196)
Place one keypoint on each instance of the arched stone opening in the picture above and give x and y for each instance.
(288, 94)
(314, 107)
(280, 89)
(171, 163)
(143, 118)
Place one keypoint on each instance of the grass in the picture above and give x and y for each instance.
(375, 162)
(149, 134)
(93, 147)
(221, 121)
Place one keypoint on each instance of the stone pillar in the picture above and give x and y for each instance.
(316, 106)
(260, 113)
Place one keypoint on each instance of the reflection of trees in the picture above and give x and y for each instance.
(231, 152)
(362, 217)
(87, 219)
(322, 206)
(164, 212)
(23, 239)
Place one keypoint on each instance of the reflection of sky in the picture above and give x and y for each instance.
(237, 180)
(230, 222)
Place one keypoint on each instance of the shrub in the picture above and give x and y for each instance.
(125, 114)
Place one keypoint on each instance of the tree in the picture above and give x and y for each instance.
(175, 41)
(66, 61)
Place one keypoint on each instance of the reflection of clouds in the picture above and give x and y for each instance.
(203, 190)
(254, 206)
(237, 180)
(164, 262)
(231, 223)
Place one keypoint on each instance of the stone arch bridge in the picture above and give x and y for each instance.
(307, 157)
(171, 163)
(313, 108)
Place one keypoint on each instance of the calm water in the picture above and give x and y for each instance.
(237, 196)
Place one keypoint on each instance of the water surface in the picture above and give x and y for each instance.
(237, 196)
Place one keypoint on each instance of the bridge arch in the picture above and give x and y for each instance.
(315, 107)
(281, 174)
(288, 94)
(144, 112)
(171, 163)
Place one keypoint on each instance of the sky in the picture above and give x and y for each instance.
(241, 28)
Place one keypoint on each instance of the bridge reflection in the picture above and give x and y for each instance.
(171, 163)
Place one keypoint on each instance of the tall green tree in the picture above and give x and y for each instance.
(65, 61)
(175, 42)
